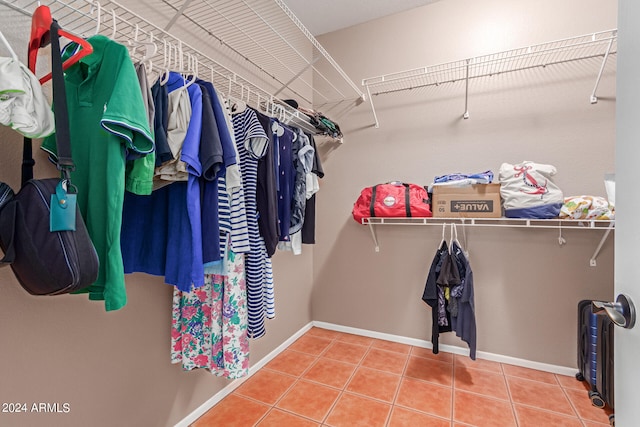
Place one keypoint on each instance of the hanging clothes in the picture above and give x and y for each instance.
(449, 293)
(139, 171)
(309, 226)
(286, 180)
(251, 142)
(430, 295)
(464, 321)
(108, 119)
(267, 191)
(23, 106)
(209, 324)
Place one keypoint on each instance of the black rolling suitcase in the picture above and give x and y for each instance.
(595, 355)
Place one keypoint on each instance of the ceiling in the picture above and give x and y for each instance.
(324, 16)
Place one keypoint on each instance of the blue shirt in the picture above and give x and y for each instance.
(189, 155)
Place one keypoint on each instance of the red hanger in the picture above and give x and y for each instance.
(40, 26)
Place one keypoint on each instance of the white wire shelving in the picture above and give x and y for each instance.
(250, 51)
(265, 38)
(594, 45)
(557, 224)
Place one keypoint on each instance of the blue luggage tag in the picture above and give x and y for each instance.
(63, 208)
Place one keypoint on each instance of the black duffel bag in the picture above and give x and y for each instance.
(49, 254)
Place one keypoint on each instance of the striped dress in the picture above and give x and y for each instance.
(251, 141)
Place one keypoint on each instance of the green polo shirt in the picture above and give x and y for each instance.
(107, 118)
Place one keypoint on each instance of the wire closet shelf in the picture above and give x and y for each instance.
(594, 45)
(558, 224)
(112, 19)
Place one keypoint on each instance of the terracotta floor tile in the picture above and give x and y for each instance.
(236, 411)
(330, 372)
(531, 417)
(570, 381)
(481, 382)
(345, 352)
(425, 397)
(428, 354)
(291, 362)
(355, 339)
(357, 411)
(278, 418)
(323, 333)
(482, 411)
(530, 374)
(401, 417)
(310, 345)
(485, 365)
(309, 400)
(391, 346)
(539, 395)
(385, 360)
(266, 386)
(374, 383)
(430, 370)
(584, 408)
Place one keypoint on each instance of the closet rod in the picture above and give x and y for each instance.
(593, 45)
(77, 17)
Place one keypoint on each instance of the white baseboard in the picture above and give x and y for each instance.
(210, 403)
(202, 409)
(555, 369)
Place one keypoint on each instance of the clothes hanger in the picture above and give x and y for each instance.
(40, 27)
(150, 47)
(97, 8)
(164, 78)
(444, 240)
(236, 105)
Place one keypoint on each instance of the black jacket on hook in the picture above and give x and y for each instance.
(430, 294)
(452, 270)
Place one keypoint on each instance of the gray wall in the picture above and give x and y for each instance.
(526, 285)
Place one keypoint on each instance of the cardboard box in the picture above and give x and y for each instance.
(473, 201)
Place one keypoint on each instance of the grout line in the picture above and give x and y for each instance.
(453, 388)
(512, 404)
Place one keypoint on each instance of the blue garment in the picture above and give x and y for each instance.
(549, 211)
(156, 235)
(228, 150)
(464, 324)
(212, 161)
(286, 182)
(189, 155)
(143, 236)
(485, 177)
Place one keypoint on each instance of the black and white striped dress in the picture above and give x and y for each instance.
(251, 141)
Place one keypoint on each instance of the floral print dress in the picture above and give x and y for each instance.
(209, 324)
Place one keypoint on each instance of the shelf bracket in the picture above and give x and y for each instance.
(374, 236)
(466, 93)
(592, 261)
(373, 109)
(594, 98)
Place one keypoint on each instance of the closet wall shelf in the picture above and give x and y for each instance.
(251, 71)
(594, 45)
(558, 224)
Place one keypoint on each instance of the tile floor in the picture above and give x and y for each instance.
(329, 378)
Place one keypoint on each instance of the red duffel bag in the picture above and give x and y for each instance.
(393, 199)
